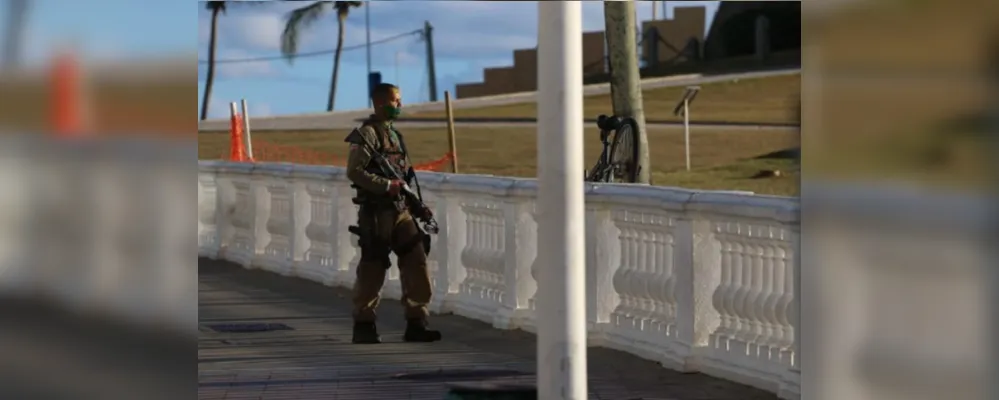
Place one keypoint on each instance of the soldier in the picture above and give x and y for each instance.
(385, 224)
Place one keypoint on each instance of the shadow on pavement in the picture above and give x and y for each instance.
(318, 357)
(48, 352)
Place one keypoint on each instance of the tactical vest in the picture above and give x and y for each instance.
(394, 154)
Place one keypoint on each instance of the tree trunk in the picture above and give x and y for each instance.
(16, 17)
(336, 64)
(210, 78)
(625, 81)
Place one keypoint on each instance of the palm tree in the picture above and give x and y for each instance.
(216, 7)
(302, 18)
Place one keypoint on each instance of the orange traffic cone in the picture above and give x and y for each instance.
(67, 113)
(237, 150)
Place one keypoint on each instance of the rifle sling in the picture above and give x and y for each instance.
(405, 152)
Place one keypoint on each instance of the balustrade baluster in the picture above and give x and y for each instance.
(770, 294)
(719, 297)
(744, 281)
(275, 246)
(785, 307)
(754, 291)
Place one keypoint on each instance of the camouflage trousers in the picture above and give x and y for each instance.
(388, 230)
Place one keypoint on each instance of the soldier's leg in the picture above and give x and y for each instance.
(371, 273)
(414, 278)
(368, 283)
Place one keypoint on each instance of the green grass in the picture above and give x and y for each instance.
(737, 176)
(721, 159)
(760, 100)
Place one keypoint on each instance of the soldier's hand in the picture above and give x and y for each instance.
(395, 186)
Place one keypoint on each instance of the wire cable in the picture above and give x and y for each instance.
(312, 53)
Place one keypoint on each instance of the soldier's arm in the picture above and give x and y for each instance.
(358, 159)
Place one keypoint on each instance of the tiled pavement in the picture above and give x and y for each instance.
(316, 360)
(51, 352)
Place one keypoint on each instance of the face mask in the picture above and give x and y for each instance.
(392, 112)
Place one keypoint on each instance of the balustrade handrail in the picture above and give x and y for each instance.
(697, 280)
(781, 208)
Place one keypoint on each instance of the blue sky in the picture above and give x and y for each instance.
(109, 29)
(468, 36)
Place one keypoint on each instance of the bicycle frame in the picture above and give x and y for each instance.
(604, 170)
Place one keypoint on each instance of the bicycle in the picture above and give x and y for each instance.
(618, 162)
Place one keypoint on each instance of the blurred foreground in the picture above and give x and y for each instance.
(97, 268)
(898, 279)
(98, 254)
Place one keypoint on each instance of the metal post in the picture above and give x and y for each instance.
(367, 38)
(428, 35)
(246, 129)
(561, 348)
(450, 131)
(683, 107)
(686, 131)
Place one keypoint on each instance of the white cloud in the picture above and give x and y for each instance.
(258, 31)
(255, 26)
(247, 69)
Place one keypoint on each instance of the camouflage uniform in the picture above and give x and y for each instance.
(386, 225)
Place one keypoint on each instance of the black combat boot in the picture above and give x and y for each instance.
(366, 333)
(416, 331)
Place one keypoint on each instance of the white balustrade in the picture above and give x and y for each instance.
(754, 338)
(96, 226)
(698, 281)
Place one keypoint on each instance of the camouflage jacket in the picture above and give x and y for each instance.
(366, 176)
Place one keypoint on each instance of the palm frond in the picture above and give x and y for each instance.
(298, 20)
(213, 6)
(343, 8)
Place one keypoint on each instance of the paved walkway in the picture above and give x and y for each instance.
(315, 360)
(48, 351)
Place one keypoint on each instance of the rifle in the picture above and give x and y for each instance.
(413, 199)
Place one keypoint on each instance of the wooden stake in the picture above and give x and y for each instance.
(450, 131)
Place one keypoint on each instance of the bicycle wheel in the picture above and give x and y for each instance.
(599, 173)
(624, 152)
